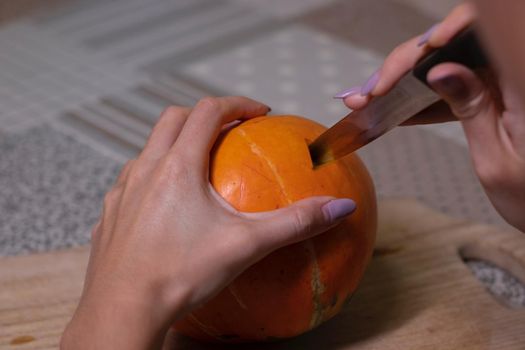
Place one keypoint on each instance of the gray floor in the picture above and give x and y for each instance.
(86, 81)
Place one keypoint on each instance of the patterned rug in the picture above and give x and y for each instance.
(82, 84)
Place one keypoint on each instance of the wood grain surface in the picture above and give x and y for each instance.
(416, 294)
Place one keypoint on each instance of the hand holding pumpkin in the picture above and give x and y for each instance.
(489, 109)
(167, 242)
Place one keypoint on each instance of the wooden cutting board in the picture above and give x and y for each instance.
(417, 292)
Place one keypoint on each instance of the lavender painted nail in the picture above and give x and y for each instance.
(338, 208)
(349, 92)
(426, 36)
(370, 84)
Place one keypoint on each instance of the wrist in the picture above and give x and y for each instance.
(129, 320)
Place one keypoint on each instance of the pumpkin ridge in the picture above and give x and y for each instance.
(317, 286)
(316, 282)
(259, 152)
(233, 291)
(204, 328)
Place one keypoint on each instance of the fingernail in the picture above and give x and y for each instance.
(370, 84)
(338, 208)
(352, 91)
(451, 86)
(426, 36)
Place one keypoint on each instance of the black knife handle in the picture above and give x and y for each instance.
(464, 49)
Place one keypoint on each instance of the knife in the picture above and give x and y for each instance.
(410, 96)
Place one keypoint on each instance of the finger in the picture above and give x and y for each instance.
(165, 132)
(405, 56)
(512, 118)
(439, 112)
(95, 230)
(124, 173)
(206, 120)
(460, 17)
(110, 207)
(357, 101)
(399, 62)
(300, 220)
(472, 103)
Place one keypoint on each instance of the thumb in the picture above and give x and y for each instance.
(471, 101)
(301, 220)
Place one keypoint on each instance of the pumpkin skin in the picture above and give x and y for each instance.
(264, 164)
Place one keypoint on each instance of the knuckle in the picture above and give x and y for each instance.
(490, 174)
(209, 103)
(129, 163)
(136, 176)
(469, 106)
(111, 197)
(173, 165)
(95, 230)
(173, 111)
(397, 54)
(158, 126)
(126, 168)
(302, 223)
(509, 122)
(395, 64)
(173, 169)
(399, 57)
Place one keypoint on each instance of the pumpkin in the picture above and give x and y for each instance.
(264, 164)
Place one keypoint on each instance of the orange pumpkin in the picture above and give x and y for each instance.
(264, 164)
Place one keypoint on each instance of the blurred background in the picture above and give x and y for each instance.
(82, 83)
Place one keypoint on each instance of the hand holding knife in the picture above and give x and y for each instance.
(410, 96)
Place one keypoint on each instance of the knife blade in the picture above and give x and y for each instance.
(409, 96)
